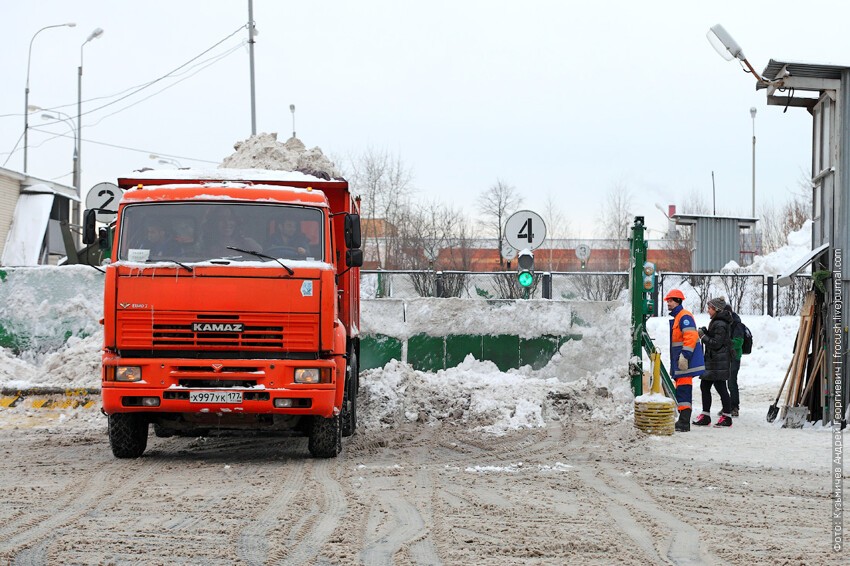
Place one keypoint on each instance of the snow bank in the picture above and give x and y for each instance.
(403, 318)
(588, 376)
(799, 245)
(40, 307)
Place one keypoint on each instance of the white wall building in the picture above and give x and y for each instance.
(31, 210)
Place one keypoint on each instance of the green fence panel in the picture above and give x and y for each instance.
(426, 353)
(376, 351)
(458, 346)
(432, 353)
(536, 352)
(502, 350)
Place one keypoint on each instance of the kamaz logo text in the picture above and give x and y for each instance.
(217, 327)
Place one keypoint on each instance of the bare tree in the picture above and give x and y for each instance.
(777, 223)
(385, 185)
(695, 204)
(435, 237)
(615, 218)
(736, 286)
(556, 227)
(770, 226)
(496, 204)
(605, 287)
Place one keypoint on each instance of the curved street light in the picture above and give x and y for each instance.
(165, 160)
(27, 86)
(45, 115)
(729, 49)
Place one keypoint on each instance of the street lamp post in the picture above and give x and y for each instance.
(79, 169)
(753, 116)
(70, 122)
(27, 87)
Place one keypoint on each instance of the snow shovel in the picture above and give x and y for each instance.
(795, 417)
(773, 410)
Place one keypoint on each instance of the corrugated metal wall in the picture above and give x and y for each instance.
(10, 190)
(717, 241)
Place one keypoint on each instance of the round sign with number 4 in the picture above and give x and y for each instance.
(525, 229)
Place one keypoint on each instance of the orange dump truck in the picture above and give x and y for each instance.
(231, 302)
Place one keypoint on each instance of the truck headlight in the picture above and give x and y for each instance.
(313, 375)
(128, 373)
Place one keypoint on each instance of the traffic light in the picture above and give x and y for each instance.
(525, 268)
(648, 277)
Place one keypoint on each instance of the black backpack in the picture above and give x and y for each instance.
(747, 346)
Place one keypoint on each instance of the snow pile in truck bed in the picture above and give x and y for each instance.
(263, 151)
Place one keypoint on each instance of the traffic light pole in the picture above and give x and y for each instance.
(642, 285)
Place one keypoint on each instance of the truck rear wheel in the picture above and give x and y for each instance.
(128, 435)
(325, 440)
(349, 400)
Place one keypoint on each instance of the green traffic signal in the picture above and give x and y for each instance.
(525, 278)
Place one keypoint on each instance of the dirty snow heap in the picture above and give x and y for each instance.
(263, 151)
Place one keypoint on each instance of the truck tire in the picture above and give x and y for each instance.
(325, 440)
(128, 435)
(349, 399)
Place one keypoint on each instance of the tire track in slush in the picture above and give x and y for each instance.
(45, 530)
(252, 545)
(332, 509)
(408, 527)
(681, 548)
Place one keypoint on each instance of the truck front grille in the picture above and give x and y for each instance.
(259, 331)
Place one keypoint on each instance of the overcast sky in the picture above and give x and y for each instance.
(557, 97)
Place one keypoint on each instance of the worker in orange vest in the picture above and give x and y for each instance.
(686, 356)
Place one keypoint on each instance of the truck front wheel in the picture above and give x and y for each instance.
(128, 435)
(325, 440)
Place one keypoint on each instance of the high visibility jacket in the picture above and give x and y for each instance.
(684, 341)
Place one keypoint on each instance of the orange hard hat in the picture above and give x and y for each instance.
(675, 294)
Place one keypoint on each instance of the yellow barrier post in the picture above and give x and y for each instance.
(655, 413)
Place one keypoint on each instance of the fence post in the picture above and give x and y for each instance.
(770, 296)
(438, 284)
(655, 306)
(547, 285)
(379, 291)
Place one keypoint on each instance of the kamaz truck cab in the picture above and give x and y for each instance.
(231, 302)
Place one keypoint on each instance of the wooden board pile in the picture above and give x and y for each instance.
(806, 374)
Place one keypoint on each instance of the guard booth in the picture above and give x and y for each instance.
(717, 240)
(824, 92)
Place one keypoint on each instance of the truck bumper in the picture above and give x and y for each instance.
(264, 387)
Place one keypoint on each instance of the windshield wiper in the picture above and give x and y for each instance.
(264, 256)
(183, 265)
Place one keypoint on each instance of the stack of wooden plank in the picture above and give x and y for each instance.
(807, 371)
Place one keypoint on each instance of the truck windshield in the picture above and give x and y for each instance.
(194, 232)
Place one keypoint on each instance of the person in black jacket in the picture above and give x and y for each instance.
(717, 342)
(737, 344)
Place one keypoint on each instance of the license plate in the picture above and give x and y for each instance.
(215, 396)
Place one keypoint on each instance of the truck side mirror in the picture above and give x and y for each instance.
(352, 231)
(354, 258)
(89, 232)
